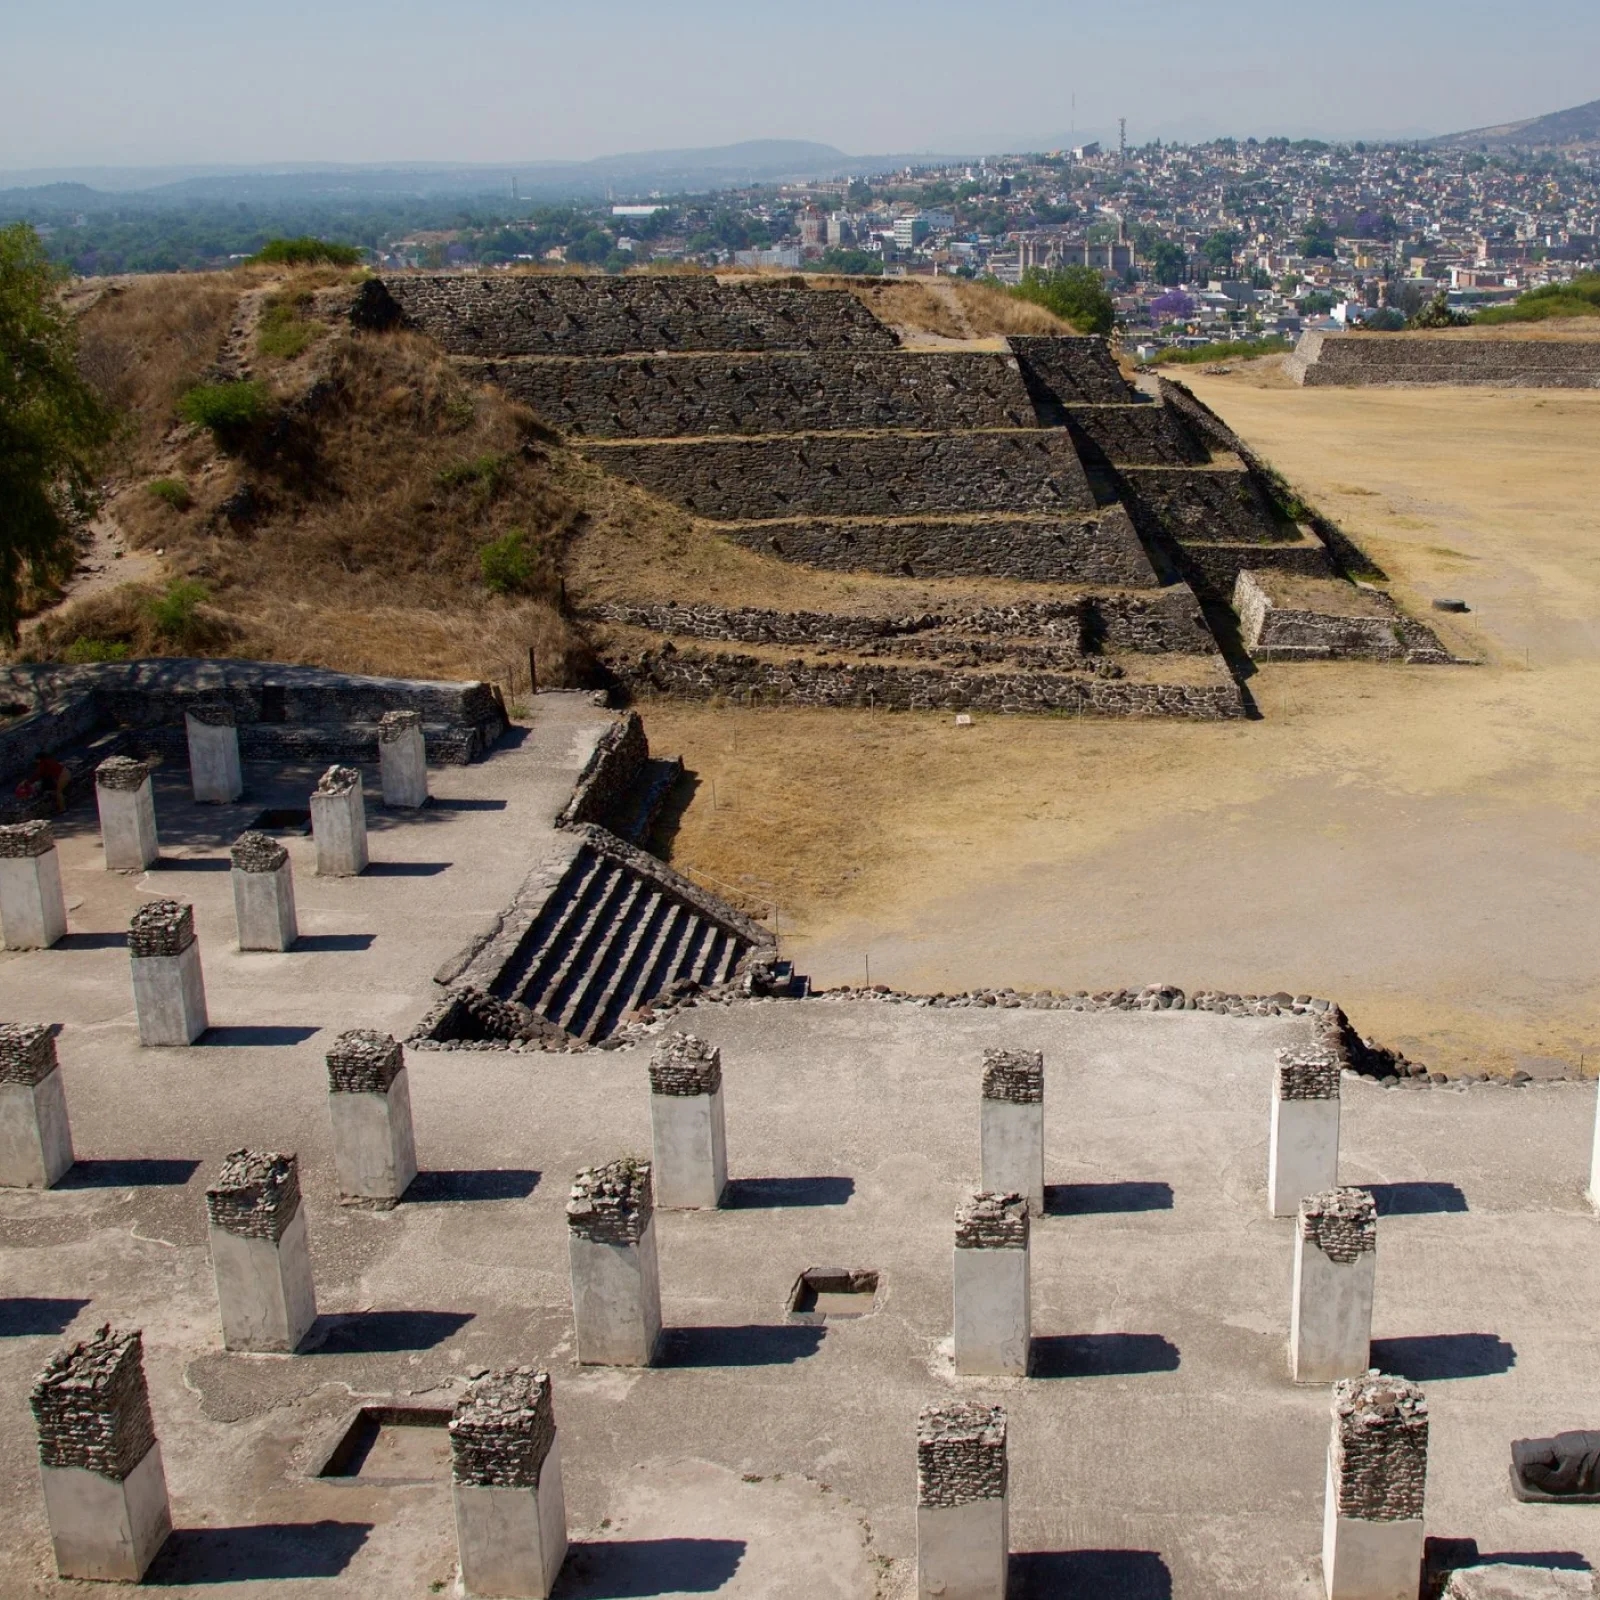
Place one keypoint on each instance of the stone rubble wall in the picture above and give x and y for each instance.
(20, 841)
(1014, 1075)
(1353, 360)
(1286, 633)
(161, 928)
(685, 1065)
(502, 1428)
(364, 1061)
(1064, 370)
(1214, 506)
(91, 1406)
(1137, 435)
(612, 770)
(961, 1454)
(256, 1194)
(1380, 1448)
(1213, 569)
(612, 1204)
(27, 1053)
(992, 1222)
(1341, 1223)
(1308, 1074)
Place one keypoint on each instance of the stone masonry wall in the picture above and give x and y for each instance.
(1014, 1075)
(1286, 633)
(1354, 360)
(91, 1406)
(1063, 370)
(674, 396)
(961, 1454)
(857, 475)
(1206, 505)
(683, 1064)
(612, 1204)
(1139, 435)
(1380, 1448)
(502, 1429)
(992, 1222)
(619, 757)
(1341, 1223)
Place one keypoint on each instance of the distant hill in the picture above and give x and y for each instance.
(1579, 127)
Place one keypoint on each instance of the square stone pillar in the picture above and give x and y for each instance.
(263, 893)
(260, 1253)
(993, 1313)
(214, 771)
(1335, 1263)
(1011, 1125)
(33, 910)
(963, 1532)
(1303, 1145)
(339, 823)
(369, 1101)
(616, 1282)
(689, 1140)
(402, 759)
(505, 1471)
(1377, 1471)
(105, 1493)
(169, 990)
(35, 1138)
(127, 814)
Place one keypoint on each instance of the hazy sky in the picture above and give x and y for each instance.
(187, 81)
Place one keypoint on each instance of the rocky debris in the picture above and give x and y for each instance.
(161, 928)
(992, 1222)
(1380, 1448)
(612, 1204)
(92, 1407)
(256, 1194)
(1341, 1223)
(364, 1061)
(258, 852)
(502, 1429)
(685, 1065)
(27, 1053)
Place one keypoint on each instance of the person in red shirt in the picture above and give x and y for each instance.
(48, 774)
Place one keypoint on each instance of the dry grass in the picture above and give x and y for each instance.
(945, 308)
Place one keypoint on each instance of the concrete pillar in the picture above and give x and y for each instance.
(35, 1138)
(1377, 1471)
(169, 990)
(1335, 1263)
(993, 1315)
(511, 1516)
(127, 814)
(1594, 1155)
(33, 910)
(1303, 1147)
(1011, 1125)
(339, 824)
(963, 1532)
(369, 1101)
(260, 1253)
(214, 771)
(616, 1282)
(689, 1140)
(402, 759)
(105, 1493)
(263, 893)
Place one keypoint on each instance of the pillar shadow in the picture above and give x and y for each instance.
(629, 1569)
(406, 869)
(749, 1345)
(1442, 1555)
(246, 1035)
(776, 1194)
(1100, 1355)
(1428, 1357)
(92, 941)
(1415, 1199)
(367, 1333)
(26, 1317)
(435, 803)
(1089, 1575)
(311, 943)
(439, 1187)
(260, 1551)
(194, 864)
(134, 1173)
(1103, 1199)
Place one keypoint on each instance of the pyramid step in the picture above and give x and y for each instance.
(730, 958)
(602, 1008)
(613, 884)
(606, 949)
(649, 978)
(548, 927)
(694, 942)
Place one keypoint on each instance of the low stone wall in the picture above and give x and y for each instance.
(1214, 569)
(516, 314)
(1354, 360)
(1214, 506)
(1061, 370)
(1143, 435)
(665, 397)
(612, 771)
(1275, 631)
(1098, 549)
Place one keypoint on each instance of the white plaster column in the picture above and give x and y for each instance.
(402, 759)
(1011, 1125)
(260, 1253)
(616, 1282)
(263, 894)
(339, 824)
(1303, 1143)
(1372, 1538)
(369, 1101)
(992, 1315)
(33, 909)
(169, 992)
(127, 807)
(963, 1532)
(214, 771)
(511, 1514)
(35, 1137)
(689, 1140)
(105, 1492)
(1335, 1266)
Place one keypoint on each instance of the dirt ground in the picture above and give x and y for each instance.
(1417, 842)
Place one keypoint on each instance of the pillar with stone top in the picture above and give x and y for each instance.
(105, 1491)
(214, 771)
(369, 1100)
(1335, 1265)
(963, 1530)
(1303, 1143)
(169, 990)
(689, 1140)
(991, 1294)
(127, 804)
(35, 1137)
(1377, 1472)
(33, 909)
(263, 893)
(339, 823)
(402, 759)
(259, 1251)
(616, 1282)
(505, 1472)
(1011, 1125)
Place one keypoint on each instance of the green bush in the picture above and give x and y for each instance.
(484, 475)
(307, 252)
(1580, 298)
(171, 491)
(175, 613)
(1222, 350)
(507, 564)
(1074, 294)
(229, 410)
(283, 332)
(81, 652)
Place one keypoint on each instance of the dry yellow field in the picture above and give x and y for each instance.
(1420, 843)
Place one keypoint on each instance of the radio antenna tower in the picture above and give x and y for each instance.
(1122, 140)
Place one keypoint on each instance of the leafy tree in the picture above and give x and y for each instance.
(51, 425)
(1075, 294)
(1317, 241)
(858, 263)
(307, 252)
(1167, 262)
(1218, 251)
